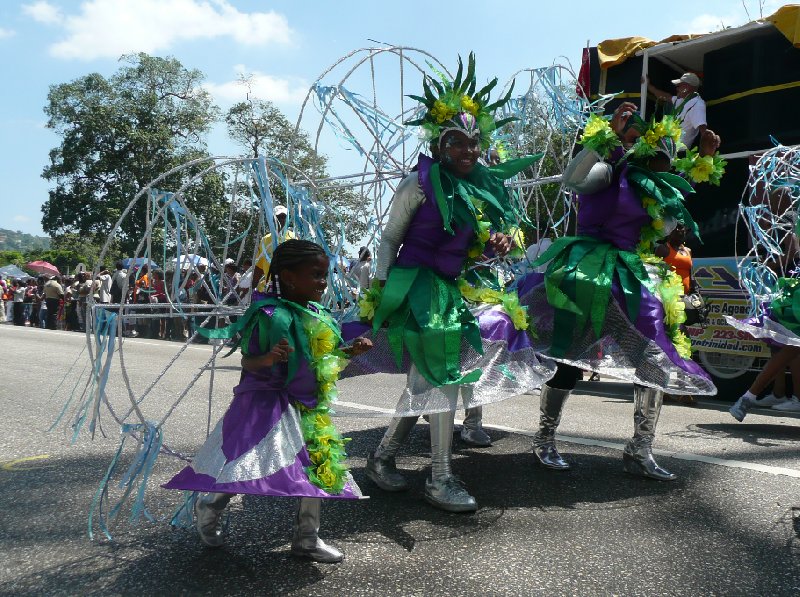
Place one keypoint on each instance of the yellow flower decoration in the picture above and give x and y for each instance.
(658, 224)
(325, 474)
(595, 125)
(469, 105)
(703, 167)
(321, 338)
(442, 112)
(651, 138)
(516, 312)
(369, 301)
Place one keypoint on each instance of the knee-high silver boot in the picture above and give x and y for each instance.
(444, 490)
(638, 454)
(208, 508)
(472, 432)
(381, 466)
(305, 536)
(551, 402)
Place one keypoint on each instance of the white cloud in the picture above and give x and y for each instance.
(260, 86)
(110, 28)
(43, 12)
(736, 17)
(706, 23)
(21, 218)
(6, 33)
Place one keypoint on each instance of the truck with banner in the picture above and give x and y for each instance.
(751, 86)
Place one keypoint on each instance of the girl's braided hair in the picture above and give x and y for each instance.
(290, 254)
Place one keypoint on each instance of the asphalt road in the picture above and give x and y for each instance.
(728, 526)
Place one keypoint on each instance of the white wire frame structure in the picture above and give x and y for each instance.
(769, 211)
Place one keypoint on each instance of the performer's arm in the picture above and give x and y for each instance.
(662, 95)
(405, 204)
(359, 346)
(587, 173)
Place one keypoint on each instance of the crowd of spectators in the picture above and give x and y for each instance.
(60, 302)
(160, 306)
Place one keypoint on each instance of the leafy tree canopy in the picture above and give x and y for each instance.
(117, 135)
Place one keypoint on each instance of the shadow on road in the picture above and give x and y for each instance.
(526, 512)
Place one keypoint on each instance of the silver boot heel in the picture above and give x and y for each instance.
(305, 538)
(472, 432)
(208, 509)
(637, 458)
(381, 468)
(551, 402)
(382, 471)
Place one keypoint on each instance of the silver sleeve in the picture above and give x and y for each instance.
(587, 173)
(405, 203)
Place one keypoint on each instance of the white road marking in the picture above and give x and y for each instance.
(740, 464)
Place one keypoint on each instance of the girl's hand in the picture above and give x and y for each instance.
(359, 346)
(279, 354)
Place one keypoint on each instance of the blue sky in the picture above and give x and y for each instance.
(284, 45)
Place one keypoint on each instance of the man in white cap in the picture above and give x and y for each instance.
(265, 248)
(687, 105)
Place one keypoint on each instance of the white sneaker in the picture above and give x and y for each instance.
(771, 400)
(740, 407)
(790, 406)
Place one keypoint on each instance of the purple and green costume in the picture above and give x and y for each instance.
(258, 447)
(422, 319)
(595, 306)
(777, 322)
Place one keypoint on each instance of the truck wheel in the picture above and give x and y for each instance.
(731, 373)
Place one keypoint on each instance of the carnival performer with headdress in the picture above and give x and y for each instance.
(443, 218)
(771, 274)
(606, 303)
(276, 437)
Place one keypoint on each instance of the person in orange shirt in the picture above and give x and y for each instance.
(678, 256)
(142, 292)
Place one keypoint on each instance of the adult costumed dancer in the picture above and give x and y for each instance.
(443, 218)
(277, 438)
(606, 304)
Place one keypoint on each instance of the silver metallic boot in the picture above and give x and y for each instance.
(638, 454)
(444, 490)
(305, 537)
(551, 402)
(208, 508)
(381, 467)
(472, 432)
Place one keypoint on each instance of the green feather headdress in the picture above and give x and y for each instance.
(455, 105)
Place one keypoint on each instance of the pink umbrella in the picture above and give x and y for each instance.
(43, 267)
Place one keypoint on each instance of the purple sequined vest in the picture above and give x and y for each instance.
(427, 243)
(615, 214)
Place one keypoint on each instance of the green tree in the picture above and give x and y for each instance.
(264, 130)
(12, 257)
(117, 135)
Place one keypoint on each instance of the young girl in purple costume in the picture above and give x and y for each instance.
(276, 437)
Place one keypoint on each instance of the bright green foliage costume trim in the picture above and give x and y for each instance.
(578, 284)
(785, 308)
(485, 185)
(427, 316)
